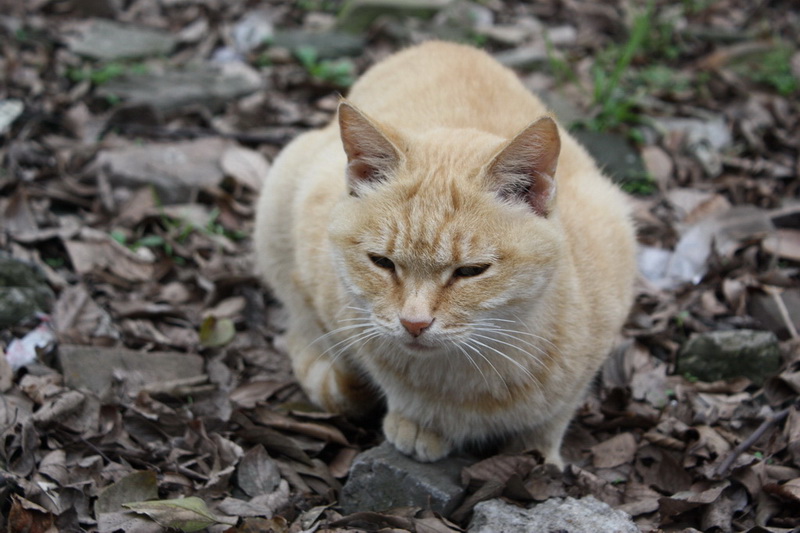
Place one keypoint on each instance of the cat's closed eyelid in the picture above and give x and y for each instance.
(470, 271)
(382, 262)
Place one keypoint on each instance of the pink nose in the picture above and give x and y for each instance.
(416, 328)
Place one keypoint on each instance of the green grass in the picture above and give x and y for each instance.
(773, 69)
(340, 72)
(102, 74)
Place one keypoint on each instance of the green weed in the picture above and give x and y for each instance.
(340, 73)
(104, 73)
(643, 185)
(773, 69)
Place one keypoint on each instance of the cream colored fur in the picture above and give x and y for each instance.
(436, 138)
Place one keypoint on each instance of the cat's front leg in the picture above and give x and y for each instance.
(334, 384)
(424, 445)
(545, 438)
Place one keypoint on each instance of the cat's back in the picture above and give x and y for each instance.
(446, 84)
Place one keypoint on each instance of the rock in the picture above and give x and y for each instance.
(176, 169)
(614, 155)
(329, 45)
(109, 372)
(586, 515)
(108, 40)
(383, 478)
(525, 57)
(357, 15)
(23, 291)
(210, 85)
(460, 21)
(730, 354)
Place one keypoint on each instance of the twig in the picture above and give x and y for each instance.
(775, 419)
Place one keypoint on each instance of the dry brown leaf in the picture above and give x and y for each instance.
(317, 430)
(615, 451)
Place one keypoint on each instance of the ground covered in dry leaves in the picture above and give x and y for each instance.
(157, 370)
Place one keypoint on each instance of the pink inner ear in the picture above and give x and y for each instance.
(361, 170)
(525, 169)
(541, 194)
(370, 154)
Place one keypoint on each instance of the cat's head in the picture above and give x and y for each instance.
(448, 233)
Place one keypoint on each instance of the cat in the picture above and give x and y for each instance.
(445, 247)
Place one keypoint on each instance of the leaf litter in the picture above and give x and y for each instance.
(157, 392)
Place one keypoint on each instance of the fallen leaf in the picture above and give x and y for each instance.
(615, 451)
(216, 332)
(187, 514)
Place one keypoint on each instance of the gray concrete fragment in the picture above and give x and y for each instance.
(111, 372)
(729, 354)
(586, 515)
(357, 15)
(108, 40)
(614, 154)
(383, 478)
(329, 45)
(209, 85)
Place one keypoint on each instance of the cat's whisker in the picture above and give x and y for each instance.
(486, 322)
(512, 335)
(509, 359)
(331, 333)
(471, 360)
(368, 329)
(480, 353)
(533, 357)
(361, 339)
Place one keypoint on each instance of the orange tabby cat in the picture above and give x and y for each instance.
(462, 256)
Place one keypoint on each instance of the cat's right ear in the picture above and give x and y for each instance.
(525, 170)
(371, 156)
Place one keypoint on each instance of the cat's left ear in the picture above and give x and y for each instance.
(370, 154)
(525, 169)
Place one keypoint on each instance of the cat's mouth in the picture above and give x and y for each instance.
(416, 346)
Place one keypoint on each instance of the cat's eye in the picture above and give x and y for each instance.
(470, 271)
(383, 262)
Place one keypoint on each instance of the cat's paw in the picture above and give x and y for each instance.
(409, 438)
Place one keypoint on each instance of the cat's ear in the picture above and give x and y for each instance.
(525, 169)
(370, 154)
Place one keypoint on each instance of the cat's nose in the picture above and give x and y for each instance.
(416, 327)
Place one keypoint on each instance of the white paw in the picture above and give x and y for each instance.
(409, 438)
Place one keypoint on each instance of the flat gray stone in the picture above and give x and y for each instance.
(586, 515)
(109, 40)
(614, 155)
(383, 478)
(110, 372)
(329, 45)
(524, 57)
(23, 291)
(730, 354)
(357, 15)
(209, 85)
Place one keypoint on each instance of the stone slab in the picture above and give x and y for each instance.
(105, 371)
(383, 478)
(586, 515)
